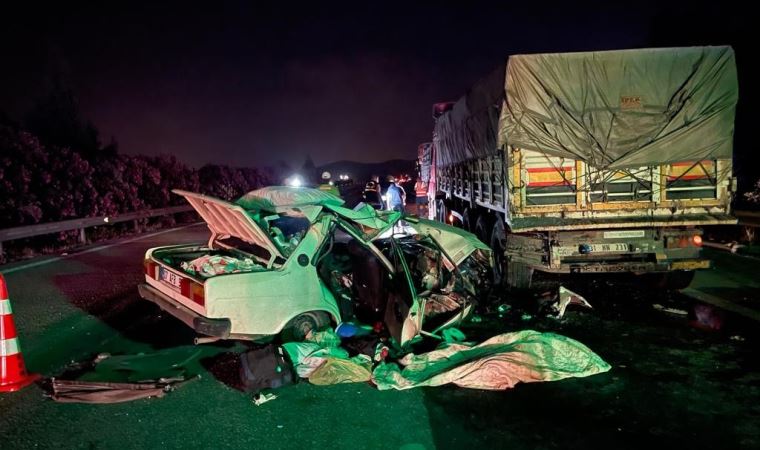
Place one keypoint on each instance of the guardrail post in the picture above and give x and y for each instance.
(82, 236)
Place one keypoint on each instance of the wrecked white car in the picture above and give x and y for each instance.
(290, 260)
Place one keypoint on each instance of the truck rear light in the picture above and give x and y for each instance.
(192, 290)
(149, 268)
(683, 241)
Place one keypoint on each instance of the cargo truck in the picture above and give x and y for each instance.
(592, 162)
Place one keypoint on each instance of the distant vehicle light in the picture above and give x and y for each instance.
(295, 181)
(451, 219)
(105, 219)
(697, 240)
(332, 183)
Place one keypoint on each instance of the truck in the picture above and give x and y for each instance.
(590, 162)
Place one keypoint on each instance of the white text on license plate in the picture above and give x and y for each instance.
(601, 248)
(170, 277)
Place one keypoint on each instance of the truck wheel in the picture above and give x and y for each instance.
(482, 229)
(300, 326)
(498, 244)
(469, 220)
(519, 275)
(441, 211)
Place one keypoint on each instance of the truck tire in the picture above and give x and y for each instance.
(498, 244)
(441, 212)
(302, 324)
(482, 229)
(468, 223)
(519, 275)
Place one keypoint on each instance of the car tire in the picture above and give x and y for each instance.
(300, 326)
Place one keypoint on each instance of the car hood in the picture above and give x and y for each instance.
(456, 242)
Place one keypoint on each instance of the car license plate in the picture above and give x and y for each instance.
(169, 278)
(609, 248)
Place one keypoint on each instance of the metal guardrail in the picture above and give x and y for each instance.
(10, 234)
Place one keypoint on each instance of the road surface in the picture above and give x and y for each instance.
(671, 385)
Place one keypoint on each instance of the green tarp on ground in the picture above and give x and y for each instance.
(613, 109)
(498, 363)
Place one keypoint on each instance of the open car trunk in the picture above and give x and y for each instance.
(228, 221)
(201, 263)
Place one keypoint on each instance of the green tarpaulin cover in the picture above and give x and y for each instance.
(498, 363)
(611, 109)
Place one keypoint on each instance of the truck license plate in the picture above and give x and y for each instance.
(609, 248)
(169, 278)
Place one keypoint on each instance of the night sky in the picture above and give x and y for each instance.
(250, 85)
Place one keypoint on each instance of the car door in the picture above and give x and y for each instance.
(403, 313)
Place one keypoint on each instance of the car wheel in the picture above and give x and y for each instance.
(300, 326)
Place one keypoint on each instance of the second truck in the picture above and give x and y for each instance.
(596, 162)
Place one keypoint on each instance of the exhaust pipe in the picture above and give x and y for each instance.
(205, 340)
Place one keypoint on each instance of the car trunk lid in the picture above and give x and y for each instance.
(227, 219)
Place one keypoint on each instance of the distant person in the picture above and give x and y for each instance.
(395, 196)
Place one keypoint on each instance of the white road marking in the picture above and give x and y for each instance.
(94, 249)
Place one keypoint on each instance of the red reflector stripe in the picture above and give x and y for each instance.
(550, 169)
(7, 327)
(550, 183)
(3, 289)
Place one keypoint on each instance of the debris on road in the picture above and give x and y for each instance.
(568, 297)
(496, 364)
(679, 312)
(707, 317)
(338, 370)
(260, 399)
(99, 392)
(265, 368)
(122, 378)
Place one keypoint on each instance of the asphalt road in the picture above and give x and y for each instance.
(671, 384)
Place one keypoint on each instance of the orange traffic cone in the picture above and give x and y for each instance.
(13, 374)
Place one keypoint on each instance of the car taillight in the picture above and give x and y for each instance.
(697, 240)
(192, 290)
(150, 268)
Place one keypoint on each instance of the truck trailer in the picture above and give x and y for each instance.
(590, 162)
